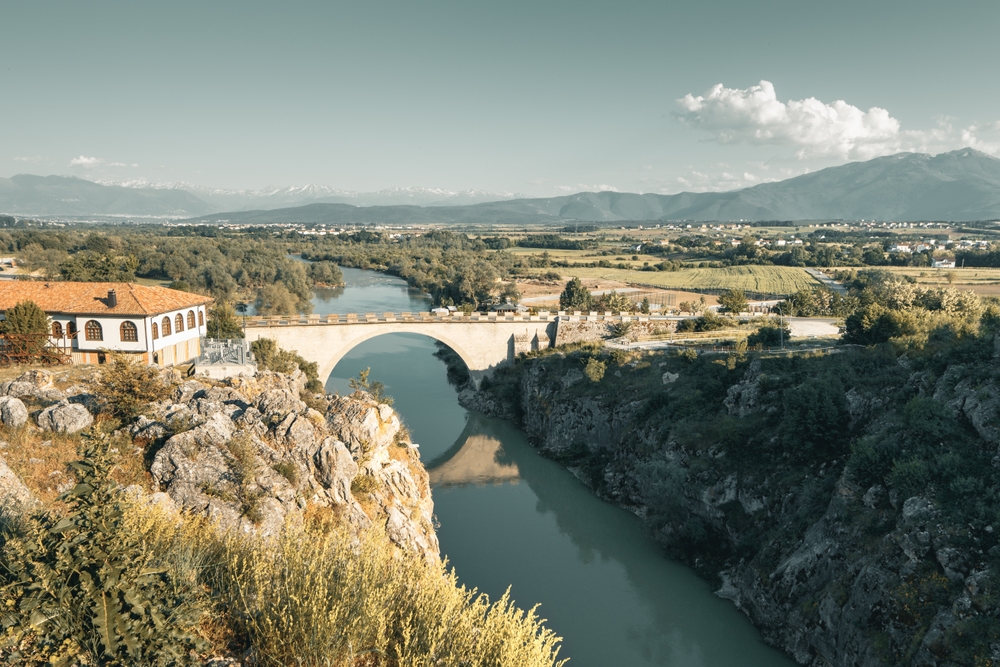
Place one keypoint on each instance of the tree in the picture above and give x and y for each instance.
(615, 303)
(29, 324)
(223, 322)
(95, 267)
(25, 318)
(276, 300)
(733, 301)
(510, 293)
(326, 273)
(575, 296)
(363, 383)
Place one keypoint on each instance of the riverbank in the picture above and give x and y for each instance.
(833, 499)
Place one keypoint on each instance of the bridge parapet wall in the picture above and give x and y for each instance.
(457, 317)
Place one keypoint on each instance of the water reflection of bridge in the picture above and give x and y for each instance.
(479, 460)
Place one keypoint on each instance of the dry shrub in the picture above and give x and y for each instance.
(330, 600)
(126, 386)
(326, 600)
(40, 459)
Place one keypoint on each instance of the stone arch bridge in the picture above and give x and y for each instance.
(483, 340)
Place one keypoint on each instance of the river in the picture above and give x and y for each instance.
(509, 517)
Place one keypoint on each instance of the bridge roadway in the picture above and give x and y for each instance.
(482, 340)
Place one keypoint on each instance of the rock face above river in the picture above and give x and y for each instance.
(834, 572)
(249, 454)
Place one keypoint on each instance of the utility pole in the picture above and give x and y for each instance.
(781, 327)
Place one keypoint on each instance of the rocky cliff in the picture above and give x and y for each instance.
(247, 452)
(250, 454)
(762, 479)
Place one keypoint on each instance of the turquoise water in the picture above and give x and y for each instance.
(509, 517)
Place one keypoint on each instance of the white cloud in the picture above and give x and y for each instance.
(985, 138)
(84, 161)
(33, 159)
(755, 115)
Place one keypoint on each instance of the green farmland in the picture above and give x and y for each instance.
(751, 278)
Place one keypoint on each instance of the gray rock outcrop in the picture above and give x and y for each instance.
(15, 498)
(249, 454)
(12, 412)
(35, 384)
(65, 417)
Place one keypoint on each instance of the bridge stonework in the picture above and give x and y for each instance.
(482, 340)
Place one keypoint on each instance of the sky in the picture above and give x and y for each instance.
(530, 97)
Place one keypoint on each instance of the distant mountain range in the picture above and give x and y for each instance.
(962, 185)
(275, 197)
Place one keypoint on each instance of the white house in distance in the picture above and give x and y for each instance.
(162, 326)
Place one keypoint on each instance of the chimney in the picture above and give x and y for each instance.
(112, 298)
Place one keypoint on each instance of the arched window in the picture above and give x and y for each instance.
(179, 323)
(156, 331)
(129, 333)
(165, 325)
(71, 329)
(56, 330)
(191, 324)
(93, 330)
(201, 318)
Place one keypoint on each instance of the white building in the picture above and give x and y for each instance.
(162, 326)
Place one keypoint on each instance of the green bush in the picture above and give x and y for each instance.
(270, 357)
(816, 418)
(594, 369)
(910, 477)
(769, 335)
(79, 588)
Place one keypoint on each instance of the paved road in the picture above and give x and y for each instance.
(800, 327)
(812, 326)
(827, 281)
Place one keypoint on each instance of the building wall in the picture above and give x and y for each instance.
(178, 347)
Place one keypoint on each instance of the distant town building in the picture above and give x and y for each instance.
(159, 325)
(943, 263)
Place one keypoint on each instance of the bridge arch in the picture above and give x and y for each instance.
(366, 334)
(483, 344)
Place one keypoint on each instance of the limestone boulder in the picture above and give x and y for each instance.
(65, 417)
(33, 384)
(335, 468)
(12, 412)
(15, 497)
(276, 403)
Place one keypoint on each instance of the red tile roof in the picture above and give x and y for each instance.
(92, 298)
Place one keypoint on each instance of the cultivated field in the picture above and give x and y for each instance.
(982, 281)
(769, 279)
